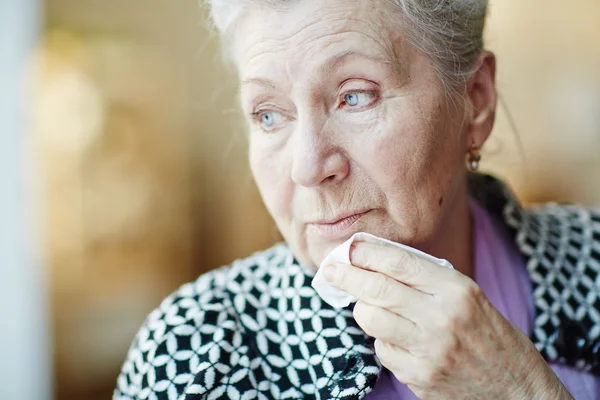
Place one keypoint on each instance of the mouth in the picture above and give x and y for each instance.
(340, 226)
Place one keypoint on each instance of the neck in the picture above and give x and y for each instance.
(454, 241)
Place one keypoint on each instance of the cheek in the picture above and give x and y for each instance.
(411, 157)
(269, 169)
(394, 145)
(257, 166)
(417, 144)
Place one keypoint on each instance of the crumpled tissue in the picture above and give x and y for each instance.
(341, 254)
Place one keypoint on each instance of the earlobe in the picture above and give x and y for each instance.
(481, 89)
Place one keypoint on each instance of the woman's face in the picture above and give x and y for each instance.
(350, 127)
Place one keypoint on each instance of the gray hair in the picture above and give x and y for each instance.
(450, 32)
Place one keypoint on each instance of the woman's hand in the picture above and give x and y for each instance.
(437, 332)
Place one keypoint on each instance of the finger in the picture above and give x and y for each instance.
(385, 325)
(407, 368)
(378, 290)
(399, 264)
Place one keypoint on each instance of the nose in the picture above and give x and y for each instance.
(316, 159)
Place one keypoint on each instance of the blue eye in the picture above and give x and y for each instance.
(267, 119)
(359, 100)
(352, 99)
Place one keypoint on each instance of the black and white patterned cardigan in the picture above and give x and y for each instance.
(257, 330)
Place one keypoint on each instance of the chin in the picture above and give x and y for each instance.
(317, 248)
(313, 252)
(308, 260)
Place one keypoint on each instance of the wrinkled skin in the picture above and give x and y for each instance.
(352, 130)
(437, 332)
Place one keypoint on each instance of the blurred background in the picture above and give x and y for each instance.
(124, 171)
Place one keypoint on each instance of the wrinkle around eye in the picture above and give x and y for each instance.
(257, 120)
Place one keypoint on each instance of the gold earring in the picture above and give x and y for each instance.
(473, 159)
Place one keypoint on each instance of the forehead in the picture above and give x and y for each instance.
(313, 32)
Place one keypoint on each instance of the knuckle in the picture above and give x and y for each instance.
(375, 288)
(431, 377)
(471, 296)
(472, 291)
(365, 316)
(466, 296)
(344, 278)
(423, 376)
(360, 315)
(465, 289)
(385, 289)
(434, 372)
(405, 265)
(387, 353)
(382, 289)
(447, 351)
(451, 324)
(382, 349)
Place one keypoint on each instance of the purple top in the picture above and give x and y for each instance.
(500, 272)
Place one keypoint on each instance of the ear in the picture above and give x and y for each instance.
(481, 93)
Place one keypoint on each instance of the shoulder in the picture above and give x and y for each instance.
(537, 220)
(574, 229)
(192, 326)
(561, 245)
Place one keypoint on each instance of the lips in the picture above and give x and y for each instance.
(339, 225)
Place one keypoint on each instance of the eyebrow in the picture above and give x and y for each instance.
(259, 81)
(328, 67)
(334, 62)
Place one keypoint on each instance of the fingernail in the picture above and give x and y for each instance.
(330, 272)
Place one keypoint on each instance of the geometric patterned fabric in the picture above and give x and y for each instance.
(561, 247)
(257, 329)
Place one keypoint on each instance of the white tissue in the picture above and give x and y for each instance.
(338, 298)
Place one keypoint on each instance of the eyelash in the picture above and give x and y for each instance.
(256, 116)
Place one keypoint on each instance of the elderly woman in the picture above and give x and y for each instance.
(361, 116)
